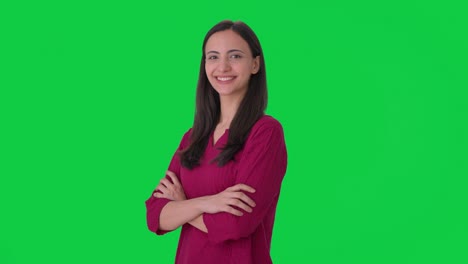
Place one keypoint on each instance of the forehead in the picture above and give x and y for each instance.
(226, 40)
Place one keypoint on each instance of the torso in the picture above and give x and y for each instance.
(209, 179)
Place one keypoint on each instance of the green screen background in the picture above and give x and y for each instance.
(96, 95)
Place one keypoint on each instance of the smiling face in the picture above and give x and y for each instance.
(229, 63)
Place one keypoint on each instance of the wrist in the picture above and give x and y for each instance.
(201, 204)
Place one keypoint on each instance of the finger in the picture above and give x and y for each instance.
(244, 198)
(165, 182)
(241, 205)
(162, 195)
(242, 187)
(162, 188)
(173, 177)
(233, 211)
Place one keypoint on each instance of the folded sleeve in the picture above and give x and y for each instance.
(262, 166)
(154, 205)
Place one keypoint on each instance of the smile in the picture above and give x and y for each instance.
(224, 79)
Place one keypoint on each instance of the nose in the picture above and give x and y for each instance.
(224, 65)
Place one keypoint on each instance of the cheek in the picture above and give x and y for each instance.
(245, 70)
(208, 69)
(208, 72)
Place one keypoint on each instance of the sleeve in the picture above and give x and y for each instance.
(262, 166)
(154, 205)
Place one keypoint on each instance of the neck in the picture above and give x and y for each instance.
(229, 106)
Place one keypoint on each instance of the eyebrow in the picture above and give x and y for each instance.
(233, 50)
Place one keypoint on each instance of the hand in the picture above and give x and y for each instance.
(227, 199)
(170, 190)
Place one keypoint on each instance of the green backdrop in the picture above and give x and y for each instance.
(96, 95)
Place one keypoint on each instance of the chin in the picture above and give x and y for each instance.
(226, 93)
(222, 92)
(228, 90)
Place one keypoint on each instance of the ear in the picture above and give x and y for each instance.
(256, 65)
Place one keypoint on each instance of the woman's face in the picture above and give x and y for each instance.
(229, 63)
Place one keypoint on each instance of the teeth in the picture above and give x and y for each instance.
(224, 78)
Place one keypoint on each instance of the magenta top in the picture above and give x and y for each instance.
(244, 239)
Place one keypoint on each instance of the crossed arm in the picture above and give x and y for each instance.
(232, 213)
(180, 210)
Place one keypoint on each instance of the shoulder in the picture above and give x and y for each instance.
(267, 122)
(266, 125)
(188, 133)
(266, 136)
(185, 141)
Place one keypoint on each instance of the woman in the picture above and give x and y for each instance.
(224, 180)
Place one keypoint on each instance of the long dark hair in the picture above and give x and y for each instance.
(207, 112)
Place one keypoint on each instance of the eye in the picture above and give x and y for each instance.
(236, 56)
(212, 57)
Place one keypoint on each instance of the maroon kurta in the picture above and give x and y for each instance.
(244, 239)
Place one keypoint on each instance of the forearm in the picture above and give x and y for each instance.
(177, 213)
(199, 224)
